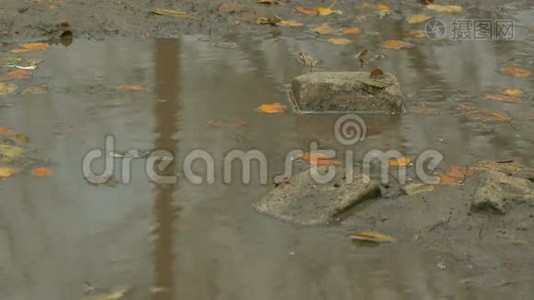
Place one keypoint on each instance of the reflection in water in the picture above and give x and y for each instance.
(166, 108)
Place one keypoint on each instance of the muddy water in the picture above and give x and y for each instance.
(187, 241)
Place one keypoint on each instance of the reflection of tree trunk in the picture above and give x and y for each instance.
(167, 89)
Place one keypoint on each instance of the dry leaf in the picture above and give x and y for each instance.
(306, 10)
(401, 162)
(339, 41)
(308, 156)
(445, 8)
(417, 34)
(513, 92)
(376, 73)
(7, 88)
(115, 295)
(372, 236)
(419, 18)
(395, 44)
(515, 71)
(488, 116)
(42, 172)
(268, 21)
(19, 74)
(326, 11)
(170, 12)
(351, 30)
(272, 108)
(290, 23)
(6, 132)
(326, 162)
(381, 7)
(132, 87)
(6, 172)
(31, 47)
(323, 29)
(503, 98)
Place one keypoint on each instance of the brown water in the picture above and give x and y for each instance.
(187, 241)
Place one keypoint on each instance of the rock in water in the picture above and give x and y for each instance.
(305, 201)
(346, 92)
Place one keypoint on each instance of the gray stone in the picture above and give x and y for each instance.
(306, 202)
(499, 190)
(346, 92)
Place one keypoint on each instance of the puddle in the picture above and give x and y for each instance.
(189, 241)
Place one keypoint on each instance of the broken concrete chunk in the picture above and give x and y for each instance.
(346, 92)
(305, 201)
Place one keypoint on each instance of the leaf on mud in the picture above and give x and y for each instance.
(372, 236)
(513, 92)
(417, 34)
(170, 12)
(35, 90)
(19, 73)
(503, 98)
(326, 11)
(395, 44)
(268, 21)
(452, 9)
(339, 41)
(31, 47)
(351, 30)
(6, 172)
(419, 18)
(488, 116)
(306, 10)
(132, 87)
(323, 29)
(115, 295)
(7, 88)
(42, 172)
(515, 71)
(10, 152)
(290, 23)
(272, 108)
(401, 162)
(229, 7)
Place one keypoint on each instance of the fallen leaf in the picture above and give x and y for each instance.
(6, 172)
(115, 295)
(513, 92)
(419, 18)
(7, 88)
(460, 172)
(488, 116)
(326, 162)
(229, 7)
(272, 108)
(6, 132)
(445, 179)
(31, 47)
(401, 162)
(9, 152)
(351, 30)
(290, 23)
(42, 172)
(308, 156)
(306, 10)
(445, 8)
(394, 44)
(381, 7)
(132, 87)
(417, 34)
(326, 11)
(268, 21)
(323, 29)
(515, 71)
(372, 236)
(19, 73)
(170, 12)
(503, 98)
(339, 41)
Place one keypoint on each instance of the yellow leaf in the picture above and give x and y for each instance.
(323, 29)
(351, 30)
(35, 46)
(372, 236)
(268, 21)
(170, 12)
(394, 44)
(488, 116)
(445, 8)
(290, 23)
(401, 162)
(417, 34)
(306, 10)
(503, 98)
(515, 71)
(42, 172)
(7, 88)
(115, 295)
(419, 18)
(456, 175)
(326, 11)
(326, 162)
(312, 156)
(132, 87)
(6, 172)
(382, 7)
(513, 92)
(339, 41)
(272, 108)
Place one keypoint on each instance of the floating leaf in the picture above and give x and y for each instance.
(290, 23)
(445, 8)
(351, 30)
(503, 98)
(339, 41)
(6, 132)
(419, 18)
(515, 71)
(372, 236)
(170, 12)
(488, 116)
(42, 172)
(326, 11)
(268, 21)
(395, 44)
(133, 87)
(401, 162)
(7, 88)
(115, 295)
(323, 29)
(513, 92)
(19, 74)
(306, 10)
(6, 172)
(35, 90)
(417, 34)
(272, 108)
(31, 47)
